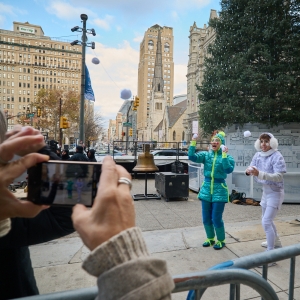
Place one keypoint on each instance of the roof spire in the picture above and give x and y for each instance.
(158, 82)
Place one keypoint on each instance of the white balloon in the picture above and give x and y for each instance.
(195, 136)
(95, 61)
(126, 94)
(247, 133)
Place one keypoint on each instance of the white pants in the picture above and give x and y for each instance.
(268, 215)
(271, 201)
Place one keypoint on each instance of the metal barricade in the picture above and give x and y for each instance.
(233, 272)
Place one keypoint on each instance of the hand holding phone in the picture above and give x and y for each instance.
(113, 209)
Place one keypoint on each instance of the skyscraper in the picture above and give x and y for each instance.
(29, 61)
(146, 80)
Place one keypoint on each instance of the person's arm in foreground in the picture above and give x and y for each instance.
(119, 256)
(10, 206)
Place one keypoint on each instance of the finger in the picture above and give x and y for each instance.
(14, 131)
(27, 209)
(109, 177)
(16, 168)
(125, 188)
(78, 211)
(14, 145)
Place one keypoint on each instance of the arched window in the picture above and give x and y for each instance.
(174, 135)
(167, 47)
(150, 45)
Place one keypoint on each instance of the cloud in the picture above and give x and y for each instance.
(138, 38)
(180, 81)
(174, 15)
(9, 10)
(117, 70)
(66, 11)
(104, 23)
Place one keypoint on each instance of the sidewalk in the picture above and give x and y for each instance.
(173, 231)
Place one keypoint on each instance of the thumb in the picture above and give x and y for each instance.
(78, 210)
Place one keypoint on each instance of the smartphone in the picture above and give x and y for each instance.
(63, 183)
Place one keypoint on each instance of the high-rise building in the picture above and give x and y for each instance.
(29, 61)
(200, 39)
(148, 52)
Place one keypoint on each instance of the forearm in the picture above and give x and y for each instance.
(127, 254)
(276, 177)
(228, 164)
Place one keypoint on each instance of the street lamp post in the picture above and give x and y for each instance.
(84, 44)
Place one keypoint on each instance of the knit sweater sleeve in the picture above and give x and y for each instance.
(4, 227)
(125, 269)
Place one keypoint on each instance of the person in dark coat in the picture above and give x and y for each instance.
(16, 272)
(91, 155)
(65, 154)
(79, 155)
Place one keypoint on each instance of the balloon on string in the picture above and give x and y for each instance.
(126, 94)
(95, 61)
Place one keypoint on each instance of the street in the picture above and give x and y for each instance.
(173, 231)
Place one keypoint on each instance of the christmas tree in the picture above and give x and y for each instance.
(252, 72)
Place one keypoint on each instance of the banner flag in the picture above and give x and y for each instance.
(88, 90)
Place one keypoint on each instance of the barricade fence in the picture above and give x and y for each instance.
(235, 272)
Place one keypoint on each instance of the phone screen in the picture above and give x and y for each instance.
(63, 183)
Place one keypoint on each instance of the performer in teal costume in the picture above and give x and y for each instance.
(214, 192)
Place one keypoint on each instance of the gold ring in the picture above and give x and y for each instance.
(126, 181)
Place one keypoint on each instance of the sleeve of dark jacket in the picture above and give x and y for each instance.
(52, 223)
(125, 270)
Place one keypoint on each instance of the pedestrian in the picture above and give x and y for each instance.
(65, 154)
(70, 188)
(79, 155)
(79, 187)
(91, 155)
(214, 191)
(267, 167)
(16, 272)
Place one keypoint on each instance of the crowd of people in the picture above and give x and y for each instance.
(119, 257)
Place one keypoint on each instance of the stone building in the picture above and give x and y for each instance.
(29, 61)
(199, 40)
(170, 128)
(150, 67)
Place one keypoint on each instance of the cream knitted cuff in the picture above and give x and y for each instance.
(4, 227)
(127, 245)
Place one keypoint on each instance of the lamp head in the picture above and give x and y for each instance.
(93, 32)
(76, 42)
(83, 17)
(75, 28)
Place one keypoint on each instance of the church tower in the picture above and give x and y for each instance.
(158, 99)
(155, 72)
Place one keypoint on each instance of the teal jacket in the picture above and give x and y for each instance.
(216, 167)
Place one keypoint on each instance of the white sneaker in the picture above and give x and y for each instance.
(276, 245)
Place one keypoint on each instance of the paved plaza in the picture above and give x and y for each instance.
(173, 231)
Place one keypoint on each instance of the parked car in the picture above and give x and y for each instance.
(168, 152)
(112, 153)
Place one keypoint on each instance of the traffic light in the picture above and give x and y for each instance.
(130, 131)
(63, 122)
(137, 101)
(134, 106)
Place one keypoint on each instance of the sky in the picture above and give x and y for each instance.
(120, 26)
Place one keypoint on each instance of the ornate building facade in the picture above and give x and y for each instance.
(155, 78)
(199, 40)
(29, 61)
